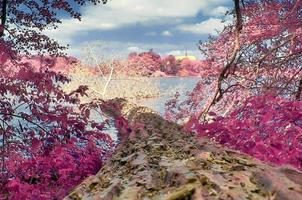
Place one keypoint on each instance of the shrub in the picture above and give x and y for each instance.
(49, 142)
(266, 127)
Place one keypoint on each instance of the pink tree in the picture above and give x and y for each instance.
(259, 52)
(145, 63)
(265, 60)
(23, 23)
(47, 144)
(265, 126)
(49, 141)
(250, 99)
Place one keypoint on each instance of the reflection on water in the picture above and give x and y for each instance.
(168, 87)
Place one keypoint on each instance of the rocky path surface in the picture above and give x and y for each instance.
(162, 162)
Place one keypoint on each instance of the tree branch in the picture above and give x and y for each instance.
(3, 17)
(218, 91)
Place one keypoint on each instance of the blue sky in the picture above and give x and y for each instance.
(167, 26)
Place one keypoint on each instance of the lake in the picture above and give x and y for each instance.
(168, 87)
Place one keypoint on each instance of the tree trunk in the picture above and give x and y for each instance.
(3, 17)
(161, 161)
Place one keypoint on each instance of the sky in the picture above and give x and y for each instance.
(123, 26)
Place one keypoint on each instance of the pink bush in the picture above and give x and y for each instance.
(61, 64)
(144, 63)
(48, 141)
(266, 127)
(147, 63)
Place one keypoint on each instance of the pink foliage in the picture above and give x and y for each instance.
(26, 22)
(144, 63)
(266, 127)
(5, 51)
(150, 63)
(52, 174)
(268, 60)
(258, 109)
(48, 141)
(61, 64)
(270, 52)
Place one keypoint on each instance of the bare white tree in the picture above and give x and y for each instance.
(102, 71)
(97, 56)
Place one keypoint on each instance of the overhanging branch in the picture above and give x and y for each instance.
(3, 17)
(224, 73)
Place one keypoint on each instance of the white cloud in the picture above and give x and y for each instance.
(125, 12)
(166, 33)
(210, 26)
(119, 13)
(134, 49)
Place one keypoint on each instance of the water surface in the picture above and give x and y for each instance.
(168, 87)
